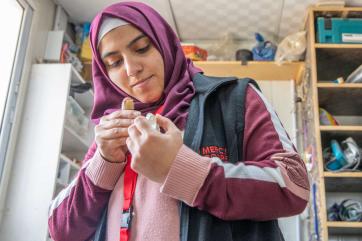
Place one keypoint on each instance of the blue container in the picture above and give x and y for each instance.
(339, 30)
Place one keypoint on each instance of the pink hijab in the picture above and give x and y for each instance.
(179, 89)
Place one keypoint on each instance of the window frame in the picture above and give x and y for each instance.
(13, 91)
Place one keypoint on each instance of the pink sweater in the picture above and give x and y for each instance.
(272, 172)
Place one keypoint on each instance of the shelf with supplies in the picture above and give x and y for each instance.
(53, 146)
(72, 163)
(73, 143)
(77, 131)
(339, 120)
(341, 101)
(84, 99)
(333, 63)
(351, 226)
(67, 171)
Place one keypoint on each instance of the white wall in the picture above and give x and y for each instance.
(42, 22)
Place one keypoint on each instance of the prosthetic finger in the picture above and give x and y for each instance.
(127, 104)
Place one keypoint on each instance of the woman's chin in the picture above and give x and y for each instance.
(150, 99)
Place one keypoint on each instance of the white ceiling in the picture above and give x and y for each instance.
(212, 19)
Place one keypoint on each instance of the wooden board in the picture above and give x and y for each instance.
(255, 70)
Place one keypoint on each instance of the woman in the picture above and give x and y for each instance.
(232, 174)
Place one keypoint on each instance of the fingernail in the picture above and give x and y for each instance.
(137, 113)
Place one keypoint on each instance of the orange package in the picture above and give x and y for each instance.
(193, 52)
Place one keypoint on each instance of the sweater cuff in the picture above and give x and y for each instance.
(186, 176)
(103, 173)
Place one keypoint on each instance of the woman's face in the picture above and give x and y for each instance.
(133, 63)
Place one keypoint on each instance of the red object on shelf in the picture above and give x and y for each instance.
(194, 53)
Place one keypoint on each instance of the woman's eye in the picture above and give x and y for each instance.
(114, 64)
(143, 50)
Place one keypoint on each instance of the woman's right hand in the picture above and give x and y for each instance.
(111, 134)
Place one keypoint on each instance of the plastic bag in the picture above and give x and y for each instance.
(264, 50)
(291, 48)
(223, 49)
(356, 76)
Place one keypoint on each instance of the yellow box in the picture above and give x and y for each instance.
(86, 51)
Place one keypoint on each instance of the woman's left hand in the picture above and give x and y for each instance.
(153, 152)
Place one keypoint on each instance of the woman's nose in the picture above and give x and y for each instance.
(133, 67)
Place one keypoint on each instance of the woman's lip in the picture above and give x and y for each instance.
(141, 82)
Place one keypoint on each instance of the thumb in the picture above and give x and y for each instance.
(164, 122)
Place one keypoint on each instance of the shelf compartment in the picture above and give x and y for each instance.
(347, 184)
(58, 188)
(63, 173)
(326, 136)
(76, 77)
(345, 228)
(73, 144)
(85, 99)
(341, 101)
(337, 62)
(337, 182)
(66, 159)
(73, 173)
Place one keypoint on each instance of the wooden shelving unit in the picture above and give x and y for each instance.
(340, 86)
(338, 46)
(258, 70)
(327, 62)
(343, 174)
(341, 128)
(345, 228)
(344, 224)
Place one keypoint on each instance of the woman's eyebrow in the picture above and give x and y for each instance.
(136, 39)
(107, 54)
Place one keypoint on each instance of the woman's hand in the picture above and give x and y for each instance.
(153, 152)
(111, 134)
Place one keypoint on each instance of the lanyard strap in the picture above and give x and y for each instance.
(129, 187)
(130, 179)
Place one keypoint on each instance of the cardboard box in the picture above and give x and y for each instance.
(87, 71)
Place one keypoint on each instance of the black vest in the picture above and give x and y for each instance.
(216, 118)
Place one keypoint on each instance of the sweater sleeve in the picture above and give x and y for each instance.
(74, 214)
(271, 182)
